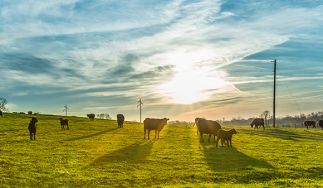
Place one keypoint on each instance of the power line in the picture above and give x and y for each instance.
(66, 108)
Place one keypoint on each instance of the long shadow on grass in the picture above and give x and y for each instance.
(282, 134)
(230, 159)
(91, 135)
(134, 153)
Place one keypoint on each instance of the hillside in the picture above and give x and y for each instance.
(97, 153)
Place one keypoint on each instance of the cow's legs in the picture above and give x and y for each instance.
(201, 137)
(217, 141)
(209, 138)
(144, 133)
(31, 135)
(158, 134)
(155, 134)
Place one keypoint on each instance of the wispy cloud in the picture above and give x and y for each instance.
(105, 49)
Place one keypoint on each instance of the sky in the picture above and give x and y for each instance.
(183, 58)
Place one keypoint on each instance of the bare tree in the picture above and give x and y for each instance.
(3, 103)
(265, 115)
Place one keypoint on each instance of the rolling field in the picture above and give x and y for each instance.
(97, 153)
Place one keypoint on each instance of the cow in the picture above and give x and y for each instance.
(91, 116)
(63, 123)
(225, 136)
(1, 114)
(258, 122)
(154, 124)
(32, 128)
(207, 127)
(309, 123)
(120, 119)
(320, 123)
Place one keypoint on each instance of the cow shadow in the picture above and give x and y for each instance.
(230, 159)
(91, 135)
(134, 153)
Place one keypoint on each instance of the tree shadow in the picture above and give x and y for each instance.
(91, 135)
(134, 153)
(230, 159)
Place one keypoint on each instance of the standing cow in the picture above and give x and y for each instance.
(320, 123)
(1, 114)
(207, 127)
(309, 123)
(154, 124)
(32, 128)
(258, 122)
(120, 119)
(64, 122)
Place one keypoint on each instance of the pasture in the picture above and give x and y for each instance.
(97, 153)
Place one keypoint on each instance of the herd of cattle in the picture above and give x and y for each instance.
(204, 126)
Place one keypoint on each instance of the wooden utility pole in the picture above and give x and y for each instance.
(274, 97)
(65, 109)
(140, 107)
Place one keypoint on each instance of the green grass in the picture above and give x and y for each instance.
(96, 153)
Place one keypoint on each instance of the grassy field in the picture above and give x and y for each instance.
(97, 153)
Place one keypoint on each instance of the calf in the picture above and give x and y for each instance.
(32, 128)
(63, 123)
(154, 124)
(120, 119)
(258, 122)
(225, 136)
(207, 127)
(309, 124)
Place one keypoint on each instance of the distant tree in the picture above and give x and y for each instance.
(3, 103)
(265, 115)
(107, 116)
(30, 112)
(91, 116)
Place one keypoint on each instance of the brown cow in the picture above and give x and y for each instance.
(32, 128)
(309, 123)
(63, 123)
(258, 122)
(120, 119)
(225, 136)
(154, 124)
(207, 127)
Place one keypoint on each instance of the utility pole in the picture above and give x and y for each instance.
(140, 107)
(274, 97)
(65, 109)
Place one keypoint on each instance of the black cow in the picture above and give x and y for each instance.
(320, 123)
(309, 123)
(1, 114)
(120, 119)
(258, 122)
(63, 123)
(154, 124)
(207, 127)
(32, 128)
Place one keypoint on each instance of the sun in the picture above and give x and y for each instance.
(191, 86)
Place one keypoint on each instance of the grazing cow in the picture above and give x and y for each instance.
(309, 124)
(1, 114)
(154, 124)
(32, 128)
(63, 123)
(320, 123)
(91, 116)
(207, 127)
(225, 136)
(120, 119)
(258, 122)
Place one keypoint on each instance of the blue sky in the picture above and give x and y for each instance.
(185, 59)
